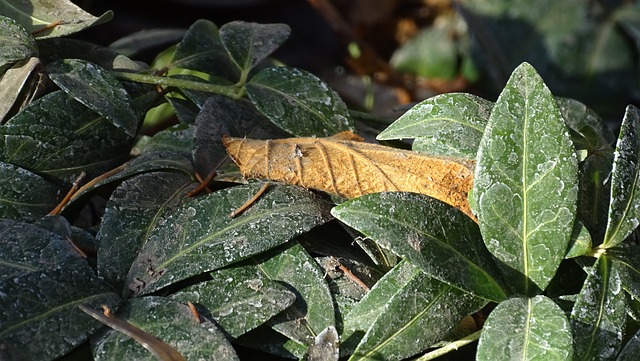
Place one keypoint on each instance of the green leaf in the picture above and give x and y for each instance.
(133, 211)
(16, 43)
(94, 87)
(523, 328)
(413, 319)
(594, 192)
(580, 242)
(431, 53)
(201, 49)
(25, 195)
(624, 208)
(170, 321)
(627, 261)
(631, 350)
(239, 298)
(40, 310)
(313, 309)
(250, 43)
(525, 185)
(19, 85)
(589, 131)
(59, 49)
(447, 124)
(298, 102)
(441, 240)
(34, 16)
(598, 315)
(200, 236)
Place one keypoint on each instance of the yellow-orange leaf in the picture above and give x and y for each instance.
(346, 166)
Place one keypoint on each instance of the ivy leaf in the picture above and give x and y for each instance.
(16, 43)
(525, 185)
(239, 298)
(200, 236)
(598, 315)
(437, 238)
(94, 87)
(250, 43)
(624, 208)
(523, 328)
(170, 321)
(448, 124)
(25, 195)
(298, 102)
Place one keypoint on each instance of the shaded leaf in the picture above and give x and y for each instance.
(525, 183)
(523, 328)
(298, 102)
(169, 321)
(631, 350)
(94, 87)
(437, 238)
(59, 49)
(580, 242)
(16, 43)
(250, 43)
(19, 85)
(134, 209)
(325, 347)
(25, 195)
(415, 318)
(41, 308)
(200, 236)
(239, 299)
(344, 166)
(624, 208)
(34, 16)
(627, 262)
(589, 131)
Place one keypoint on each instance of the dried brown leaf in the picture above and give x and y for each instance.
(346, 166)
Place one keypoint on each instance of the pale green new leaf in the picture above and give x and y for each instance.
(524, 328)
(525, 185)
(624, 208)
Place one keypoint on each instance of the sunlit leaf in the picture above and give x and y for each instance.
(200, 236)
(624, 208)
(298, 102)
(525, 183)
(325, 347)
(18, 85)
(580, 242)
(523, 328)
(16, 43)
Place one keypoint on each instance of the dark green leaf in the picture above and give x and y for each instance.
(447, 124)
(34, 16)
(40, 310)
(526, 329)
(595, 191)
(200, 236)
(239, 299)
(16, 43)
(627, 260)
(133, 211)
(173, 323)
(580, 242)
(598, 315)
(25, 195)
(431, 53)
(525, 185)
(416, 317)
(250, 43)
(177, 139)
(98, 90)
(624, 208)
(58, 49)
(590, 133)
(298, 102)
(631, 350)
(441, 240)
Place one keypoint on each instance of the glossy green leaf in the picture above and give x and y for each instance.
(174, 324)
(624, 208)
(201, 49)
(595, 191)
(447, 124)
(431, 53)
(200, 236)
(239, 299)
(580, 242)
(526, 329)
(177, 140)
(298, 102)
(627, 262)
(598, 315)
(415, 318)
(94, 87)
(631, 350)
(34, 16)
(134, 209)
(25, 195)
(16, 43)
(19, 84)
(40, 310)
(525, 184)
(589, 130)
(250, 43)
(313, 309)
(441, 240)
(26, 248)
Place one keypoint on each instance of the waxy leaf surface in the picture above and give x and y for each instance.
(16, 43)
(250, 43)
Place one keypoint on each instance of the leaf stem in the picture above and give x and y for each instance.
(231, 91)
(450, 347)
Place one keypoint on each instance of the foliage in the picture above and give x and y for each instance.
(182, 260)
